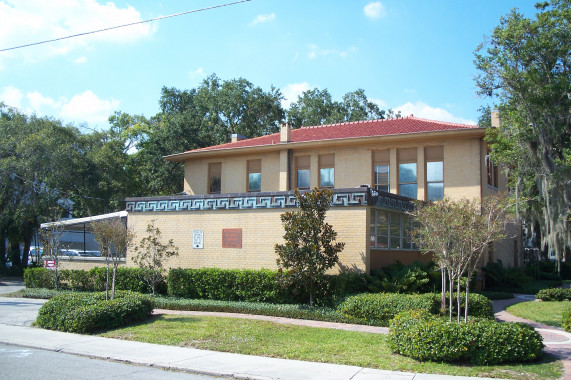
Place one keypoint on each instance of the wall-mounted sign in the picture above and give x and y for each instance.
(50, 264)
(231, 238)
(198, 239)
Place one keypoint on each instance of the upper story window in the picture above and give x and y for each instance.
(492, 171)
(434, 158)
(327, 170)
(381, 159)
(254, 175)
(302, 164)
(214, 177)
(407, 175)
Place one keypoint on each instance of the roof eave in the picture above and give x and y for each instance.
(465, 132)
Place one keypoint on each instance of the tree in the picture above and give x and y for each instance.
(50, 237)
(114, 238)
(151, 253)
(316, 107)
(309, 249)
(457, 233)
(525, 66)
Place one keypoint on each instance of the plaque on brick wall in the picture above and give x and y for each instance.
(198, 239)
(231, 238)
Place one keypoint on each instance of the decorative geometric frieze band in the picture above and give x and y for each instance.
(340, 199)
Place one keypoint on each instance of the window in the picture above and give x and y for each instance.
(254, 175)
(303, 173)
(407, 172)
(214, 178)
(327, 170)
(434, 158)
(381, 160)
(492, 170)
(390, 230)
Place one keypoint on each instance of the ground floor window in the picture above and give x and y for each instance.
(390, 230)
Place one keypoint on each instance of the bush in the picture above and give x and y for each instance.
(38, 278)
(400, 278)
(92, 280)
(566, 319)
(478, 305)
(554, 294)
(83, 312)
(380, 308)
(255, 286)
(421, 336)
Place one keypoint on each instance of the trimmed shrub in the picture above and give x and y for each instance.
(255, 286)
(421, 336)
(380, 308)
(566, 319)
(554, 294)
(38, 278)
(83, 312)
(478, 305)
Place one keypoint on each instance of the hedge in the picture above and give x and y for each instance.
(380, 308)
(255, 286)
(422, 336)
(554, 294)
(92, 280)
(87, 312)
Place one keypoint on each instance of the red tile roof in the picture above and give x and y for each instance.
(366, 128)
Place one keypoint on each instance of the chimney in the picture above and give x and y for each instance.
(285, 133)
(237, 137)
(495, 115)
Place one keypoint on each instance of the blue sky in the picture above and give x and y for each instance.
(411, 55)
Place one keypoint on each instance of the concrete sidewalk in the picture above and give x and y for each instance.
(195, 360)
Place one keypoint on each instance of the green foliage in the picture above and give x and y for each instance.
(92, 280)
(422, 336)
(255, 285)
(498, 277)
(566, 319)
(380, 308)
(38, 278)
(400, 278)
(525, 65)
(309, 249)
(554, 294)
(88, 312)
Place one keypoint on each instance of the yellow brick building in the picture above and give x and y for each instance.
(236, 192)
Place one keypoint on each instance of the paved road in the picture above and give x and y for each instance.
(27, 363)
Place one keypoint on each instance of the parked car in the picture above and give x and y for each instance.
(90, 253)
(69, 252)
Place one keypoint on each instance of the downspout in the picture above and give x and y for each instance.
(289, 167)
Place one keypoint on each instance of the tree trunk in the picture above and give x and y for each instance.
(113, 284)
(443, 298)
(27, 235)
(458, 300)
(466, 304)
(107, 278)
(451, 297)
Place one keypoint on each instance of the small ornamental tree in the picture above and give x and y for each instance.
(151, 253)
(114, 238)
(52, 246)
(309, 249)
(457, 233)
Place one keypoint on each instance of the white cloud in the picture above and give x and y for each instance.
(381, 103)
(423, 110)
(374, 10)
(29, 21)
(197, 74)
(86, 107)
(11, 96)
(315, 51)
(264, 18)
(80, 60)
(292, 91)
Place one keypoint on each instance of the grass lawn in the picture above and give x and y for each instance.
(546, 312)
(262, 338)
